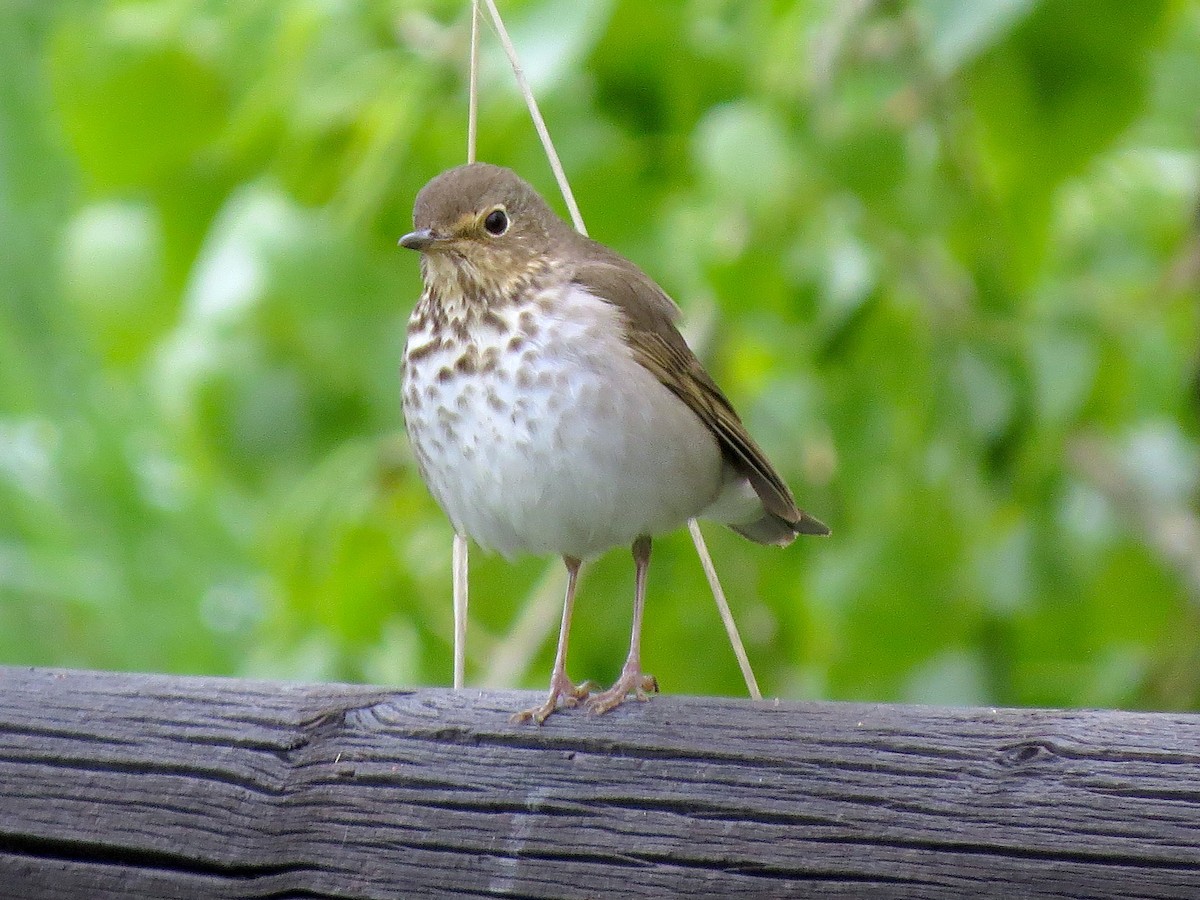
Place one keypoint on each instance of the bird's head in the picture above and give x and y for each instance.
(481, 228)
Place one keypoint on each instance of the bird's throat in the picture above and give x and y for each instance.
(461, 288)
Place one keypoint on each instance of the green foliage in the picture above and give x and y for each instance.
(943, 256)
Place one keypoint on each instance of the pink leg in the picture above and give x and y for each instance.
(561, 687)
(632, 681)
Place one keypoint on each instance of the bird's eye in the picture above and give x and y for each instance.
(496, 222)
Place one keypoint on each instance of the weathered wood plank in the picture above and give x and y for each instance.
(151, 786)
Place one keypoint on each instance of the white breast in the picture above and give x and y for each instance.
(565, 444)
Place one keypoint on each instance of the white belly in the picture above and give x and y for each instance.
(567, 446)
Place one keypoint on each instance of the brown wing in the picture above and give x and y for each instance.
(650, 316)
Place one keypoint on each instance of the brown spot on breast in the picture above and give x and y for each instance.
(528, 324)
(494, 401)
(515, 342)
(418, 320)
(490, 359)
(468, 363)
(413, 354)
(524, 379)
(444, 374)
(491, 320)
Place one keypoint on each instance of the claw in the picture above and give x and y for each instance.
(632, 682)
(561, 689)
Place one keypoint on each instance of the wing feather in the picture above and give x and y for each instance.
(650, 317)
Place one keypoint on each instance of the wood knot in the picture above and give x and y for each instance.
(1026, 754)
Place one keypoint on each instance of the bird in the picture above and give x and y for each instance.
(554, 408)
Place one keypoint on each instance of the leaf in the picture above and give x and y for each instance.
(745, 152)
(956, 32)
(1057, 92)
(136, 103)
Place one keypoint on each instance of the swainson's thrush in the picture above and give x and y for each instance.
(554, 408)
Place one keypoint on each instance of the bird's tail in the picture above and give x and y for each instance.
(772, 529)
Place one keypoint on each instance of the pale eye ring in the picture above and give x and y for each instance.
(496, 222)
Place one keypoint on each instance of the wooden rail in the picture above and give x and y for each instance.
(140, 786)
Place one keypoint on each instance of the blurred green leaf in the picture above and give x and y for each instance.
(138, 100)
(1058, 90)
(957, 32)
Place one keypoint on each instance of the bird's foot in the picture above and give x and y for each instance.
(632, 682)
(561, 689)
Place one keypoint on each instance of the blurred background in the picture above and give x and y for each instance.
(943, 256)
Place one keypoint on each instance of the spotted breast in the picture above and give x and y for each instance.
(538, 432)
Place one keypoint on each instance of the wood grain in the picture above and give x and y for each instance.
(137, 786)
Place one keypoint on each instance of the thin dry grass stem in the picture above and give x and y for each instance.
(731, 629)
(459, 570)
(473, 86)
(538, 122)
(460, 566)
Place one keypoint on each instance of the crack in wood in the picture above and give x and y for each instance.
(129, 857)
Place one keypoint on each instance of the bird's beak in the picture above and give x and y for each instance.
(420, 240)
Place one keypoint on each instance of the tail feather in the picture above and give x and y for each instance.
(742, 507)
(771, 529)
